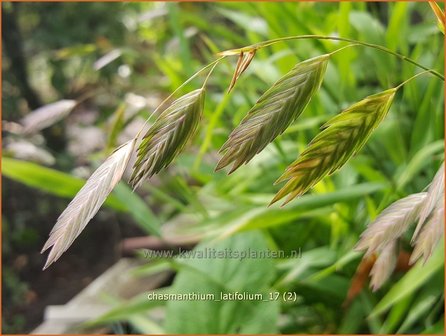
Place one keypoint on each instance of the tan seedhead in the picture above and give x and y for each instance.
(47, 115)
(341, 137)
(430, 227)
(276, 109)
(382, 234)
(391, 223)
(243, 62)
(167, 136)
(384, 265)
(435, 198)
(87, 202)
(429, 236)
(28, 151)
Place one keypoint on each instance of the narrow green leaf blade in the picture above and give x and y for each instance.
(49, 180)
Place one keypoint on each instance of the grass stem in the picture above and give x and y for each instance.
(267, 43)
(212, 64)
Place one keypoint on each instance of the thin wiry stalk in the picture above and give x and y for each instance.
(429, 236)
(384, 265)
(87, 202)
(342, 137)
(391, 223)
(47, 115)
(435, 195)
(168, 136)
(211, 65)
(257, 46)
(275, 110)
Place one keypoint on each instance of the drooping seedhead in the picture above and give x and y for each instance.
(382, 235)
(384, 265)
(341, 137)
(275, 110)
(47, 115)
(167, 136)
(391, 223)
(430, 227)
(87, 202)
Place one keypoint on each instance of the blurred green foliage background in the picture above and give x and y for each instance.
(121, 60)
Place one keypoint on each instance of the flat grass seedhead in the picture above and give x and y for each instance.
(391, 223)
(168, 135)
(275, 110)
(87, 202)
(47, 115)
(341, 137)
(434, 199)
(429, 237)
(384, 266)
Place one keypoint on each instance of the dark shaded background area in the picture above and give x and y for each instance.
(28, 214)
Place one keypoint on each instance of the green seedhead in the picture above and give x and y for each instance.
(276, 109)
(342, 137)
(168, 136)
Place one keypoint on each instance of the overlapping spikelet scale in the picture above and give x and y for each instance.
(430, 227)
(435, 199)
(341, 137)
(391, 223)
(168, 136)
(275, 110)
(87, 202)
(384, 265)
(429, 237)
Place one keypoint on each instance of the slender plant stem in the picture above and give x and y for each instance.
(212, 64)
(342, 48)
(210, 72)
(409, 79)
(263, 44)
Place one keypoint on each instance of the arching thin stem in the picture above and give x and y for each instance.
(263, 44)
(212, 64)
(210, 73)
(411, 78)
(342, 48)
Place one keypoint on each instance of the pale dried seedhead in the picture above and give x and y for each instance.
(435, 196)
(243, 62)
(429, 236)
(391, 223)
(87, 202)
(430, 227)
(382, 234)
(384, 265)
(47, 115)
